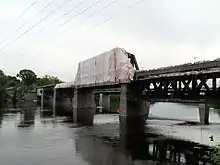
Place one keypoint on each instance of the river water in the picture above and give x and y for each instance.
(35, 137)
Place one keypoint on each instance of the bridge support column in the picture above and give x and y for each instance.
(84, 106)
(42, 99)
(134, 109)
(204, 114)
(107, 102)
(54, 101)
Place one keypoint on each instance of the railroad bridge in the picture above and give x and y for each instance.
(193, 82)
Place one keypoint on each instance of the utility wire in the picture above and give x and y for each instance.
(92, 15)
(43, 19)
(66, 13)
(69, 11)
(104, 21)
(26, 10)
(42, 10)
(35, 25)
(22, 14)
(81, 12)
(136, 3)
(109, 18)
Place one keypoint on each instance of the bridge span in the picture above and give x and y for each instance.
(117, 71)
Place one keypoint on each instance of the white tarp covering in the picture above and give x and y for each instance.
(38, 92)
(109, 67)
(65, 85)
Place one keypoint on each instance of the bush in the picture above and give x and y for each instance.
(215, 155)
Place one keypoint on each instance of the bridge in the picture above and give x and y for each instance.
(117, 71)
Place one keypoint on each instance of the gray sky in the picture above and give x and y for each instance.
(158, 32)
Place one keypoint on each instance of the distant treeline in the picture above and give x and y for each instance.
(13, 88)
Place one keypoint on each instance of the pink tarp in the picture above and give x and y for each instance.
(109, 67)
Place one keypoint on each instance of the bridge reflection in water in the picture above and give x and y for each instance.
(27, 118)
(142, 145)
(137, 143)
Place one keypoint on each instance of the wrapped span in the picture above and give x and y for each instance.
(110, 67)
(65, 85)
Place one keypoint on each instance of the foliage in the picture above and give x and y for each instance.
(214, 155)
(12, 88)
(3, 88)
(47, 79)
(1, 73)
(27, 76)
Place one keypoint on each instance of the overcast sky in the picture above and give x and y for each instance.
(49, 39)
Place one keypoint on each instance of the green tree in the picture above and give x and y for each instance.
(47, 79)
(27, 76)
(12, 89)
(2, 73)
(214, 155)
(4, 84)
(13, 81)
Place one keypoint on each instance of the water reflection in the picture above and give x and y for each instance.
(64, 143)
(27, 118)
(1, 117)
(96, 146)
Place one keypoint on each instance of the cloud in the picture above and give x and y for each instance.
(159, 33)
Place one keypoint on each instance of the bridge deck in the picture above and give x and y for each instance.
(179, 74)
(198, 66)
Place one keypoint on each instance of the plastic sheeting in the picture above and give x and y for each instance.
(39, 92)
(65, 85)
(107, 68)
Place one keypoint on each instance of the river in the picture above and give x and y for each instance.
(35, 137)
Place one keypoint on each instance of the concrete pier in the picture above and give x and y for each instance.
(134, 109)
(107, 102)
(75, 105)
(54, 102)
(84, 106)
(204, 114)
(100, 107)
(42, 99)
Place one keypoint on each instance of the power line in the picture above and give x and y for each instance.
(43, 19)
(136, 3)
(44, 8)
(83, 11)
(23, 13)
(35, 25)
(92, 15)
(109, 18)
(104, 21)
(26, 10)
(66, 13)
(105, 7)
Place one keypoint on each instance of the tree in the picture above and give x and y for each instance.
(12, 89)
(46, 80)
(214, 155)
(13, 81)
(27, 76)
(4, 84)
(2, 73)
